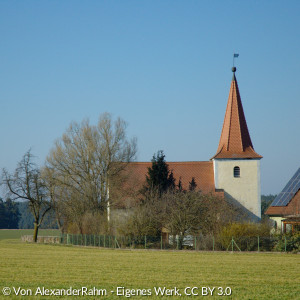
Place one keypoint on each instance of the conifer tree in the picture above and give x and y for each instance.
(9, 214)
(3, 216)
(12, 213)
(179, 185)
(159, 176)
(171, 181)
(193, 184)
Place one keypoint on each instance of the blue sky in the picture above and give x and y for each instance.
(163, 66)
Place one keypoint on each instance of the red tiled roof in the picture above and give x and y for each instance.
(202, 171)
(293, 207)
(235, 141)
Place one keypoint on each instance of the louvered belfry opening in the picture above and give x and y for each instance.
(236, 172)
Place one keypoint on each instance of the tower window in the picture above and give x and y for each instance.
(236, 172)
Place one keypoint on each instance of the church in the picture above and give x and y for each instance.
(233, 172)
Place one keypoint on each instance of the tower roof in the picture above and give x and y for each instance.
(235, 141)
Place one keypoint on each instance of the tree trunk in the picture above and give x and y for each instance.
(60, 226)
(180, 241)
(35, 233)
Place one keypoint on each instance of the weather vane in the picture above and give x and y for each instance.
(235, 55)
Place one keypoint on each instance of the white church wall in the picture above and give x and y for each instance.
(244, 189)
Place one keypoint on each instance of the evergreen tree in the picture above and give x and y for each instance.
(3, 220)
(193, 184)
(179, 185)
(12, 213)
(159, 176)
(266, 201)
(26, 220)
(9, 214)
(171, 181)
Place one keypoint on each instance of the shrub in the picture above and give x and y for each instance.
(290, 242)
(245, 235)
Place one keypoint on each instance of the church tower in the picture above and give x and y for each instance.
(236, 164)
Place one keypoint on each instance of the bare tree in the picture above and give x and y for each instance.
(47, 175)
(192, 212)
(27, 184)
(146, 217)
(217, 213)
(86, 161)
(182, 213)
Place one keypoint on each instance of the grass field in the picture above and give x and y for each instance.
(17, 233)
(249, 275)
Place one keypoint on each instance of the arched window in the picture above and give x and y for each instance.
(236, 172)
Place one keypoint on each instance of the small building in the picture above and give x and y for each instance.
(285, 208)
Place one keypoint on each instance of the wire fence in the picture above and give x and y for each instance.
(282, 243)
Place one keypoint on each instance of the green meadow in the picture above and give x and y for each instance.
(17, 233)
(248, 275)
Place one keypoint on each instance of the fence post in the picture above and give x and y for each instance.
(195, 243)
(258, 243)
(285, 243)
(85, 239)
(232, 244)
(145, 242)
(213, 243)
(161, 242)
(177, 242)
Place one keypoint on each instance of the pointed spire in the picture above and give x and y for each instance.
(235, 141)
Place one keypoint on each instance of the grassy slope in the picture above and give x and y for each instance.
(251, 276)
